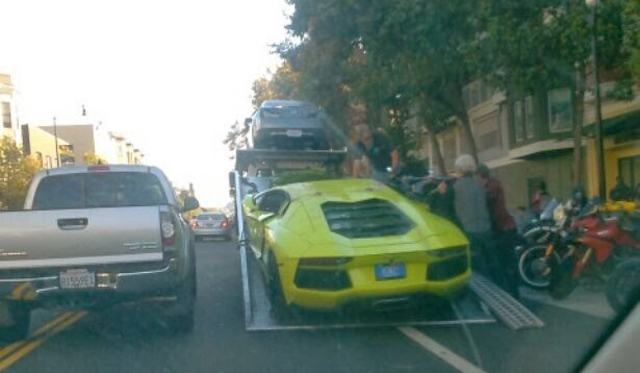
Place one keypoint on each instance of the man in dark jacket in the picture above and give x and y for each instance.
(503, 226)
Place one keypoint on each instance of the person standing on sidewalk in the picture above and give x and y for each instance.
(504, 228)
(471, 209)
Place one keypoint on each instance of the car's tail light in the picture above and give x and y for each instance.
(195, 224)
(167, 229)
(324, 262)
(224, 224)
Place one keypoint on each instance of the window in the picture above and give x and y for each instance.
(528, 116)
(488, 132)
(111, 189)
(216, 217)
(629, 170)
(39, 159)
(560, 113)
(273, 201)
(6, 115)
(518, 120)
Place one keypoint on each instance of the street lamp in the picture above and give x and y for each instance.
(55, 135)
(602, 188)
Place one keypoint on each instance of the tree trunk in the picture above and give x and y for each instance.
(577, 104)
(435, 149)
(466, 127)
(427, 121)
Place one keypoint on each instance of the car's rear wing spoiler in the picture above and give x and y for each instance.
(286, 159)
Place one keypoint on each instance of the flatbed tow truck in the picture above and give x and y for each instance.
(254, 170)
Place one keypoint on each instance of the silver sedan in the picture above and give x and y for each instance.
(212, 224)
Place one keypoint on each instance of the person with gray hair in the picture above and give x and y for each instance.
(375, 155)
(470, 203)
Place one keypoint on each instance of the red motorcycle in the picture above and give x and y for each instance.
(592, 252)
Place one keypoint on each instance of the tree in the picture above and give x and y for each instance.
(91, 158)
(16, 172)
(527, 46)
(236, 137)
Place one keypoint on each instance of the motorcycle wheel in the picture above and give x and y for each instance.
(561, 281)
(533, 268)
(623, 287)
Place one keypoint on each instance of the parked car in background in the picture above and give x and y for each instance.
(286, 124)
(90, 237)
(211, 224)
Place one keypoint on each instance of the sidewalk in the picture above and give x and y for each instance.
(581, 300)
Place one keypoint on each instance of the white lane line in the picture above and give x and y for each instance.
(439, 350)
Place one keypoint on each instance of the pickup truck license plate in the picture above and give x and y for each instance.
(77, 279)
(294, 133)
(390, 271)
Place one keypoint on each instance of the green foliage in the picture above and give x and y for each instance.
(16, 172)
(93, 159)
(631, 37)
(236, 137)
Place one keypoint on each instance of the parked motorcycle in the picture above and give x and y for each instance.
(591, 251)
(533, 266)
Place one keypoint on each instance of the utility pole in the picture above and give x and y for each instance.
(602, 186)
(55, 135)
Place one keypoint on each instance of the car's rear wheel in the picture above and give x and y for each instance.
(276, 294)
(15, 323)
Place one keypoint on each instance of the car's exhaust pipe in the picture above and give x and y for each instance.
(391, 304)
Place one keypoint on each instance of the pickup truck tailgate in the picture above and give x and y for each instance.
(52, 238)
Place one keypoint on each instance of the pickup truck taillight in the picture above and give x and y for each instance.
(167, 229)
(224, 224)
(195, 224)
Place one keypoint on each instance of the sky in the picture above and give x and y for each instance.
(171, 75)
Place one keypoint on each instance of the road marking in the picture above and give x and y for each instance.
(55, 321)
(39, 337)
(439, 350)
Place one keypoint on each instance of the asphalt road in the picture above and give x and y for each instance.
(132, 338)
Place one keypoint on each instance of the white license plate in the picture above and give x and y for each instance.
(294, 133)
(77, 279)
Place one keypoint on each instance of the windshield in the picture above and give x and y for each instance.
(351, 185)
(113, 189)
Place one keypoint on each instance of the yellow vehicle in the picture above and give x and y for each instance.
(326, 244)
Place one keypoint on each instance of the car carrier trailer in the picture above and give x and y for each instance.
(254, 172)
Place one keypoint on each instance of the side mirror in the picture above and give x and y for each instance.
(190, 203)
(247, 121)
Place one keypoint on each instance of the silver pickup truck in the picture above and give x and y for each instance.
(93, 236)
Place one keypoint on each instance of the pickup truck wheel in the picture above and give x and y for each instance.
(182, 321)
(20, 320)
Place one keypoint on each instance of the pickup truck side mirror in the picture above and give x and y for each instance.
(190, 203)
(247, 122)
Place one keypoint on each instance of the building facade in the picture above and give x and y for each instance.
(8, 109)
(527, 139)
(79, 144)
